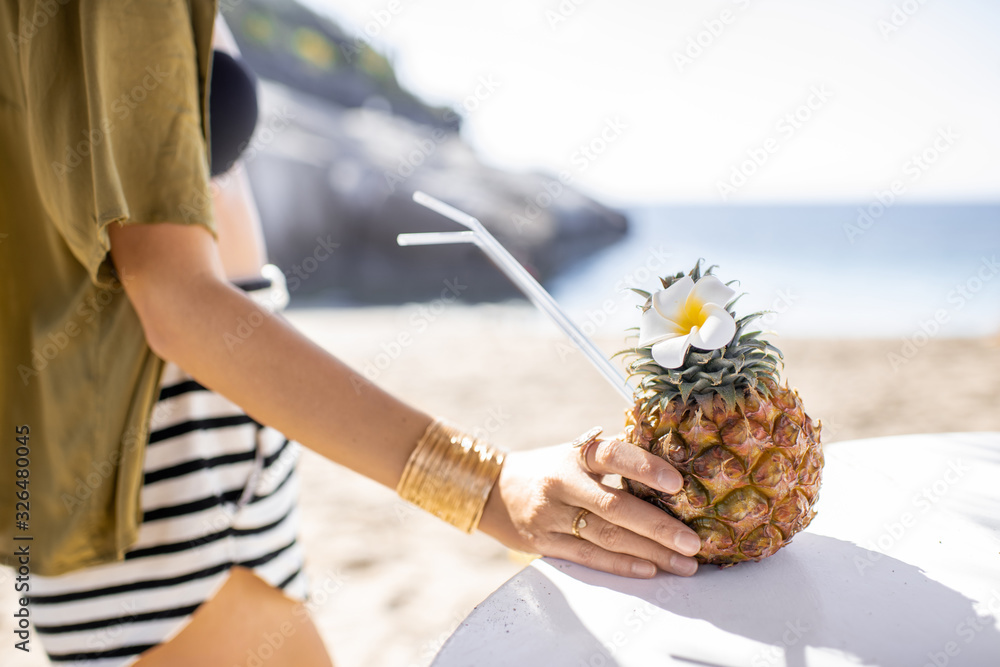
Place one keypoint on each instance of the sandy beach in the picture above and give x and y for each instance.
(391, 583)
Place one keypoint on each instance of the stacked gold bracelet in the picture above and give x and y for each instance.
(450, 474)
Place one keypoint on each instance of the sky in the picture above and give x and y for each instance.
(735, 101)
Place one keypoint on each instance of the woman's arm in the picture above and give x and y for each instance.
(193, 317)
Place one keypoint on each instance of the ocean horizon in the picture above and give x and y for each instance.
(914, 271)
(844, 271)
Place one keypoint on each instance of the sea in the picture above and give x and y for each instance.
(822, 271)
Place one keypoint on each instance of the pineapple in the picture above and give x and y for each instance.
(749, 454)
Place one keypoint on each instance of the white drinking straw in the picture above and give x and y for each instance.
(480, 236)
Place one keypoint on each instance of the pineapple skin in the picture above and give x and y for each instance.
(751, 473)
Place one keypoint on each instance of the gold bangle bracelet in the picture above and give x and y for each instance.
(450, 474)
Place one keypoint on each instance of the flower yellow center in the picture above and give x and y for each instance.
(691, 314)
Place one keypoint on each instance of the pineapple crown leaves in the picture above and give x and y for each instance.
(744, 364)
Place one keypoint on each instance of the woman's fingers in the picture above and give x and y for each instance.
(540, 493)
(638, 516)
(619, 540)
(614, 457)
(597, 558)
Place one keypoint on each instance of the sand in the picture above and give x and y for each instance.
(392, 583)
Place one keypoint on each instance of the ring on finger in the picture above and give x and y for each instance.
(579, 521)
(584, 444)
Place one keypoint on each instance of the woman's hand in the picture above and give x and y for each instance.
(539, 494)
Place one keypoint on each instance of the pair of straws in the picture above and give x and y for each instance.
(480, 236)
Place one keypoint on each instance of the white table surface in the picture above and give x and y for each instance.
(901, 566)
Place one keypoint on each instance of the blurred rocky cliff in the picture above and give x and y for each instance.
(341, 147)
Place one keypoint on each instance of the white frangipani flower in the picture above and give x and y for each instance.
(686, 314)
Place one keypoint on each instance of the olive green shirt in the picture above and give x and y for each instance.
(103, 120)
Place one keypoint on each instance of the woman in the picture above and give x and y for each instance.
(136, 207)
